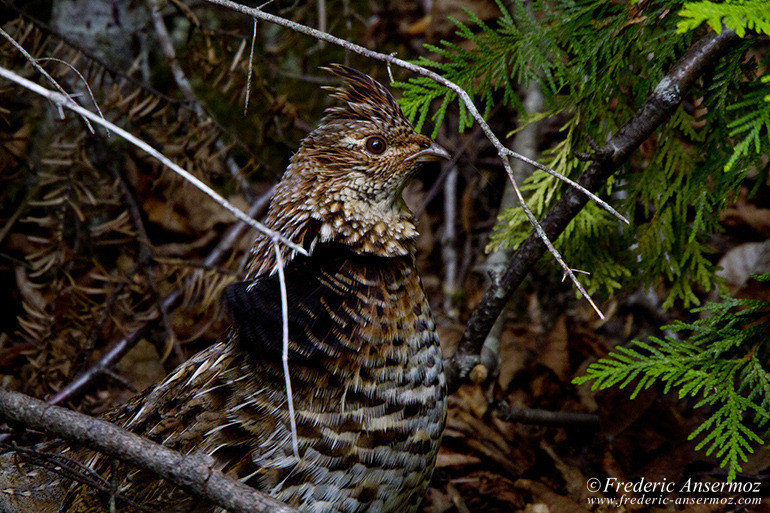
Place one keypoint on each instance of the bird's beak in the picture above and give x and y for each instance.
(431, 153)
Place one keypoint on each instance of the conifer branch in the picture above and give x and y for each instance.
(659, 106)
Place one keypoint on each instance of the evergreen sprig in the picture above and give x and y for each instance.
(752, 126)
(487, 67)
(739, 16)
(724, 362)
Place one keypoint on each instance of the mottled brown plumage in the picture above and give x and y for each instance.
(366, 370)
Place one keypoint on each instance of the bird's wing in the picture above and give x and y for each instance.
(327, 305)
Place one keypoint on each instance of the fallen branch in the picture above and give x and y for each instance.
(193, 473)
(666, 97)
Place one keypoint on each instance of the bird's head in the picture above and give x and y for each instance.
(344, 183)
(367, 141)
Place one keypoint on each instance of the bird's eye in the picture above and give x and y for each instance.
(375, 145)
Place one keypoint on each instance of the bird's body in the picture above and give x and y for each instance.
(365, 364)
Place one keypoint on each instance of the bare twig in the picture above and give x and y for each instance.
(502, 151)
(62, 100)
(509, 413)
(82, 79)
(251, 63)
(285, 351)
(187, 91)
(194, 473)
(168, 52)
(658, 107)
(43, 72)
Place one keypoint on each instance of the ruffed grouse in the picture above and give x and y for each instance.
(366, 369)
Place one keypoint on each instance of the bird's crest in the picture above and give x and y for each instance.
(363, 97)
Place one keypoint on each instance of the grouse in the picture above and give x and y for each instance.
(369, 395)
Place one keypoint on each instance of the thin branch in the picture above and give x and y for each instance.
(168, 52)
(64, 101)
(502, 151)
(82, 79)
(194, 473)
(596, 199)
(285, 351)
(251, 63)
(508, 413)
(48, 77)
(167, 46)
(656, 110)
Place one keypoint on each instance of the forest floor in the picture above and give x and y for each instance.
(77, 281)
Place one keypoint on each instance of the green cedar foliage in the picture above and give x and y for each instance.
(723, 362)
(739, 16)
(596, 63)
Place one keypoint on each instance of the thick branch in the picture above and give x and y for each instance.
(193, 473)
(656, 110)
